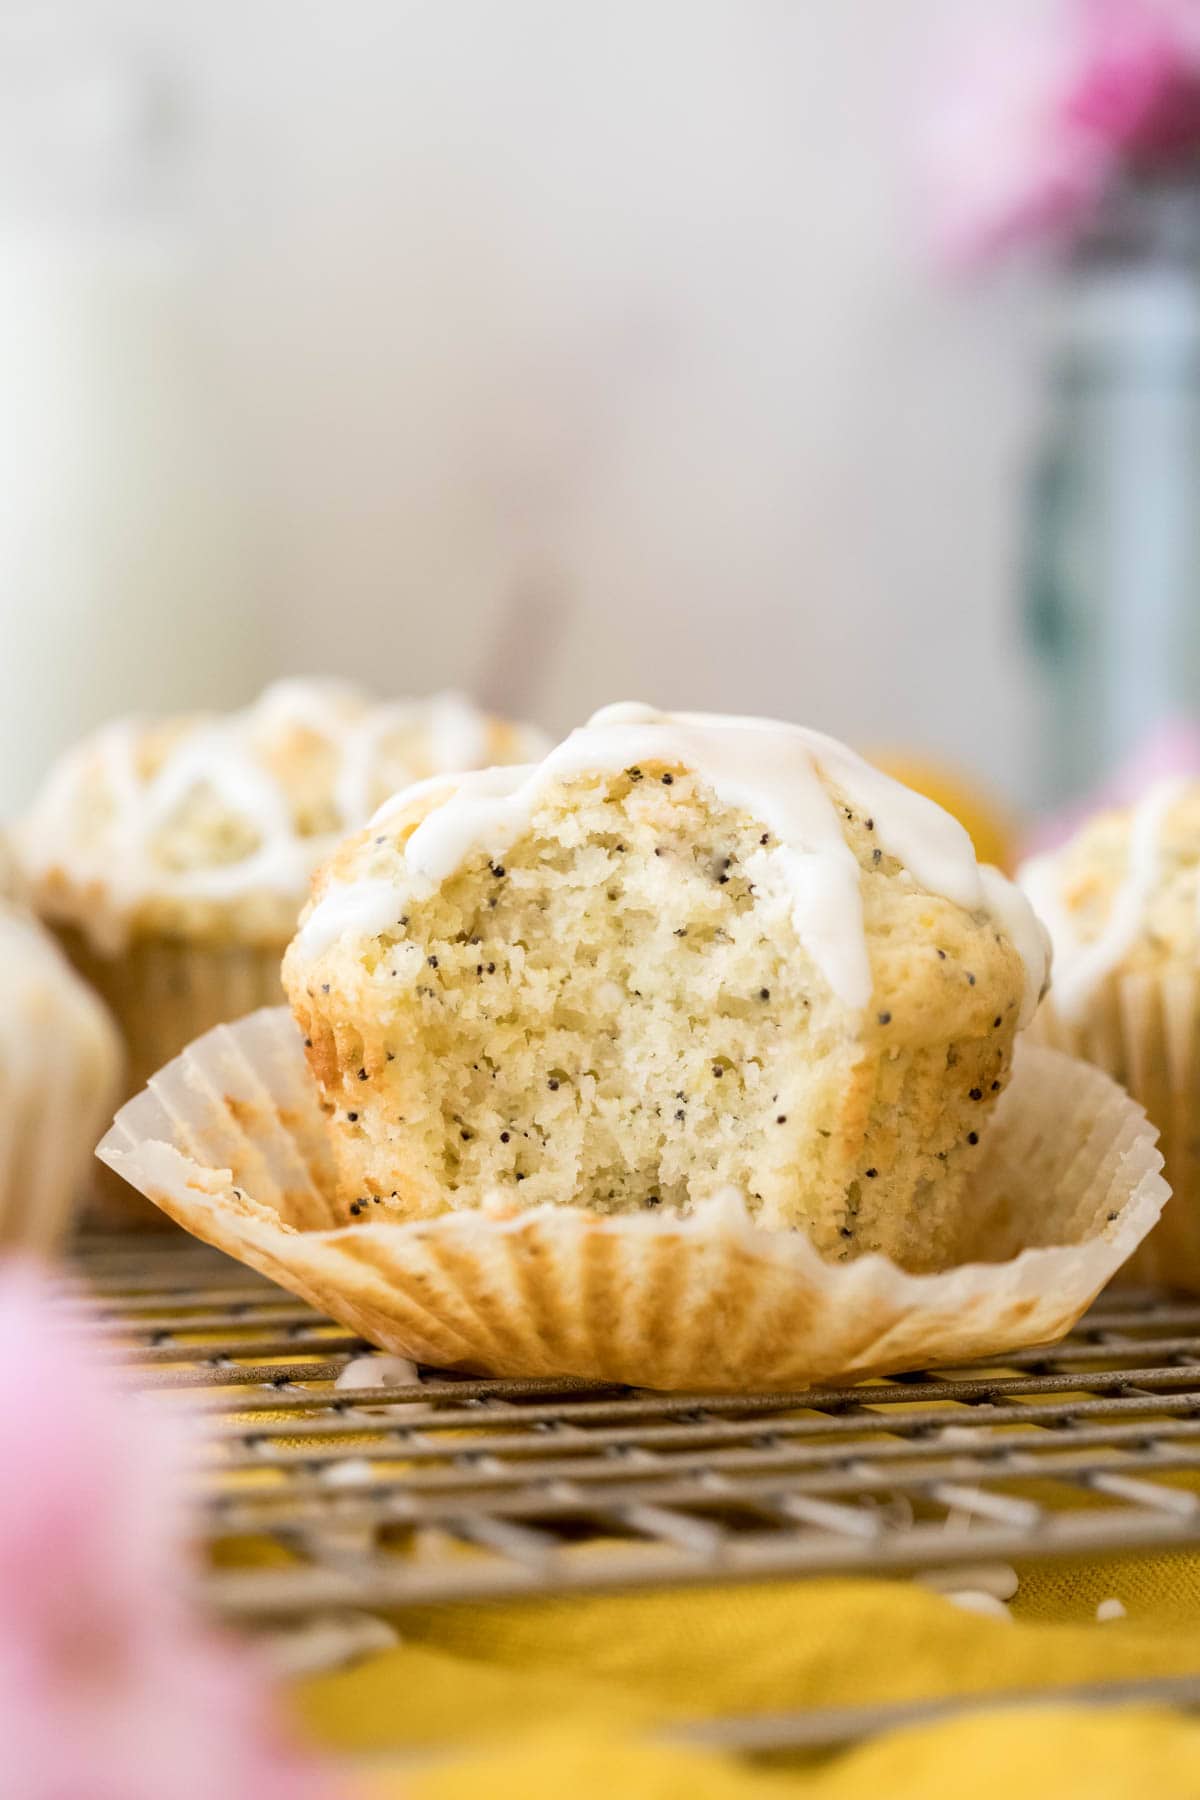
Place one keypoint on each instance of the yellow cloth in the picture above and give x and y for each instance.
(543, 1699)
(1048, 1752)
(562, 1697)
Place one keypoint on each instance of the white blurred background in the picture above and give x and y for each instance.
(555, 350)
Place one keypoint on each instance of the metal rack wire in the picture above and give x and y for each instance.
(456, 1489)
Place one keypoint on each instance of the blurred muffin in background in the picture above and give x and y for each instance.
(10, 875)
(1121, 900)
(172, 856)
(60, 1061)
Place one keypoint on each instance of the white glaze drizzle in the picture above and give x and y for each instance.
(1025, 931)
(372, 906)
(365, 908)
(776, 772)
(223, 756)
(1080, 966)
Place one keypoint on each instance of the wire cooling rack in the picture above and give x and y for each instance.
(453, 1489)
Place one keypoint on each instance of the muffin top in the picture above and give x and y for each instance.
(209, 826)
(846, 852)
(1123, 895)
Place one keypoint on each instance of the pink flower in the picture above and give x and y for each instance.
(1138, 84)
(1037, 120)
(110, 1689)
(999, 168)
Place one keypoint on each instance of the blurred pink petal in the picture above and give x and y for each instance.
(110, 1689)
(1138, 86)
(1034, 120)
(1000, 169)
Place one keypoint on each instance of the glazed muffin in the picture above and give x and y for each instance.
(59, 1079)
(683, 957)
(625, 1064)
(1122, 904)
(172, 856)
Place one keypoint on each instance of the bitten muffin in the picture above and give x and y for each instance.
(684, 955)
(59, 1068)
(172, 856)
(1122, 903)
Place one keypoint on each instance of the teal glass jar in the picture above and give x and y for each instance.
(1113, 566)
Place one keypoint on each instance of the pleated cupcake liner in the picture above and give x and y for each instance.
(230, 1141)
(164, 993)
(1144, 1030)
(59, 1079)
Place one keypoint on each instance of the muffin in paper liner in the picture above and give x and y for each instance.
(684, 954)
(230, 1141)
(60, 1062)
(164, 993)
(173, 854)
(1143, 1029)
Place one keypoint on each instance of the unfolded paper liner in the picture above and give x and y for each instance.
(1144, 1031)
(230, 1141)
(164, 993)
